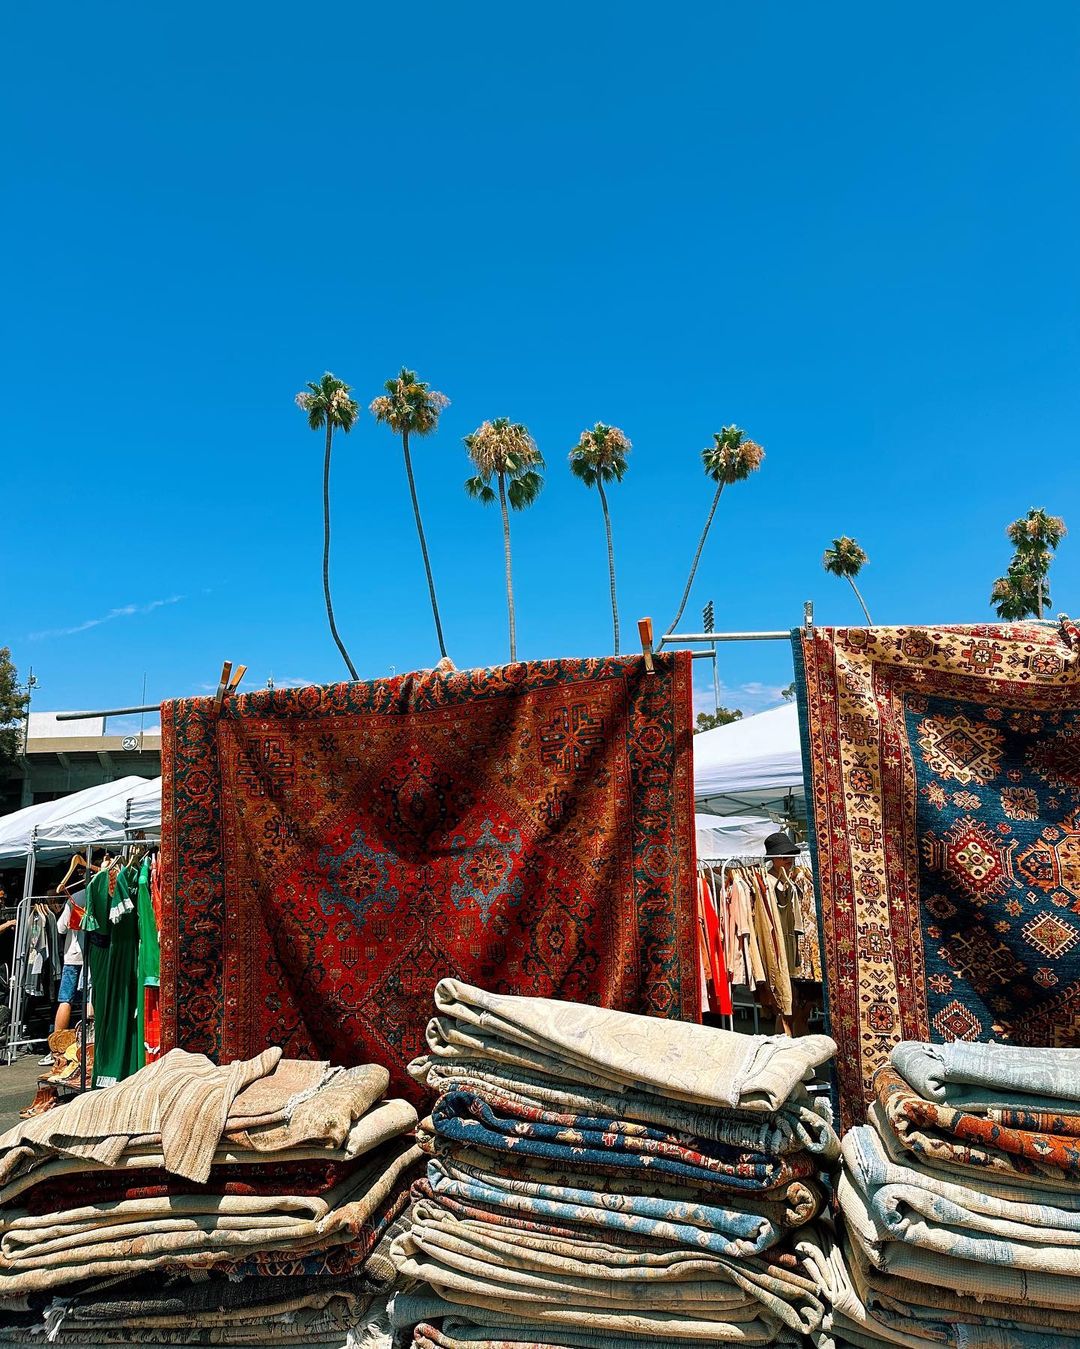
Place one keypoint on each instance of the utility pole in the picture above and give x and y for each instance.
(27, 787)
(708, 620)
(31, 685)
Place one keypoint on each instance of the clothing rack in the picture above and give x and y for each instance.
(16, 995)
(714, 874)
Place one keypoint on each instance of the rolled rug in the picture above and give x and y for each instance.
(331, 1326)
(788, 1205)
(896, 1301)
(981, 1165)
(456, 1332)
(1005, 1183)
(153, 1297)
(794, 1127)
(851, 1319)
(953, 1136)
(596, 1143)
(983, 1078)
(535, 1319)
(367, 1248)
(724, 1231)
(198, 1240)
(996, 1280)
(619, 1051)
(606, 1274)
(908, 1201)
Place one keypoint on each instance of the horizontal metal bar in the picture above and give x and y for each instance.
(108, 712)
(726, 637)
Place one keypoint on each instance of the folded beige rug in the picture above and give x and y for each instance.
(617, 1051)
(36, 1259)
(185, 1108)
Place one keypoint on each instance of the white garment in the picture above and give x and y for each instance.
(73, 954)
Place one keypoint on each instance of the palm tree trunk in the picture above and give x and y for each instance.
(326, 550)
(423, 543)
(866, 611)
(509, 572)
(611, 564)
(697, 559)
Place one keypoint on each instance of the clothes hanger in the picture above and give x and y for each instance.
(77, 861)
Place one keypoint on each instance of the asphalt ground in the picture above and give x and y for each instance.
(18, 1086)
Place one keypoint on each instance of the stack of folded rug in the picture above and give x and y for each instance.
(601, 1178)
(201, 1204)
(960, 1203)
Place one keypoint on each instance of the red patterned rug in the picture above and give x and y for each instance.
(944, 776)
(332, 852)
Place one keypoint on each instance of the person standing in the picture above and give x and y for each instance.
(69, 925)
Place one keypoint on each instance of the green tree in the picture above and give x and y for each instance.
(14, 701)
(1024, 590)
(505, 451)
(328, 405)
(845, 558)
(600, 457)
(723, 716)
(788, 693)
(410, 408)
(730, 459)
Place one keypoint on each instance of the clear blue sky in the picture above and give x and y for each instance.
(850, 229)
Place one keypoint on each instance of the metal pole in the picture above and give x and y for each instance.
(108, 712)
(22, 932)
(725, 637)
(708, 622)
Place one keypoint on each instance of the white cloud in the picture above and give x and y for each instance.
(751, 697)
(125, 611)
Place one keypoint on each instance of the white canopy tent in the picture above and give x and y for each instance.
(752, 766)
(109, 813)
(721, 836)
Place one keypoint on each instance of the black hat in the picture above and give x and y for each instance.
(781, 844)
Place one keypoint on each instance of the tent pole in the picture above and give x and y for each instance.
(18, 974)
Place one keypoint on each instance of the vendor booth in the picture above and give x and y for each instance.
(752, 767)
(108, 815)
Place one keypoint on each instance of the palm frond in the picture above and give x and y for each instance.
(603, 450)
(583, 471)
(409, 404)
(732, 457)
(503, 448)
(844, 558)
(480, 490)
(524, 490)
(328, 401)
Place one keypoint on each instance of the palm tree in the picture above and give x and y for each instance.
(1026, 586)
(845, 558)
(1017, 594)
(597, 458)
(409, 407)
(328, 404)
(504, 450)
(731, 458)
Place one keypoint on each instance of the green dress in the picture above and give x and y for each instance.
(112, 950)
(149, 954)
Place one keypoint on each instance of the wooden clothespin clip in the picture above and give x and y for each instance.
(237, 675)
(219, 697)
(645, 632)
